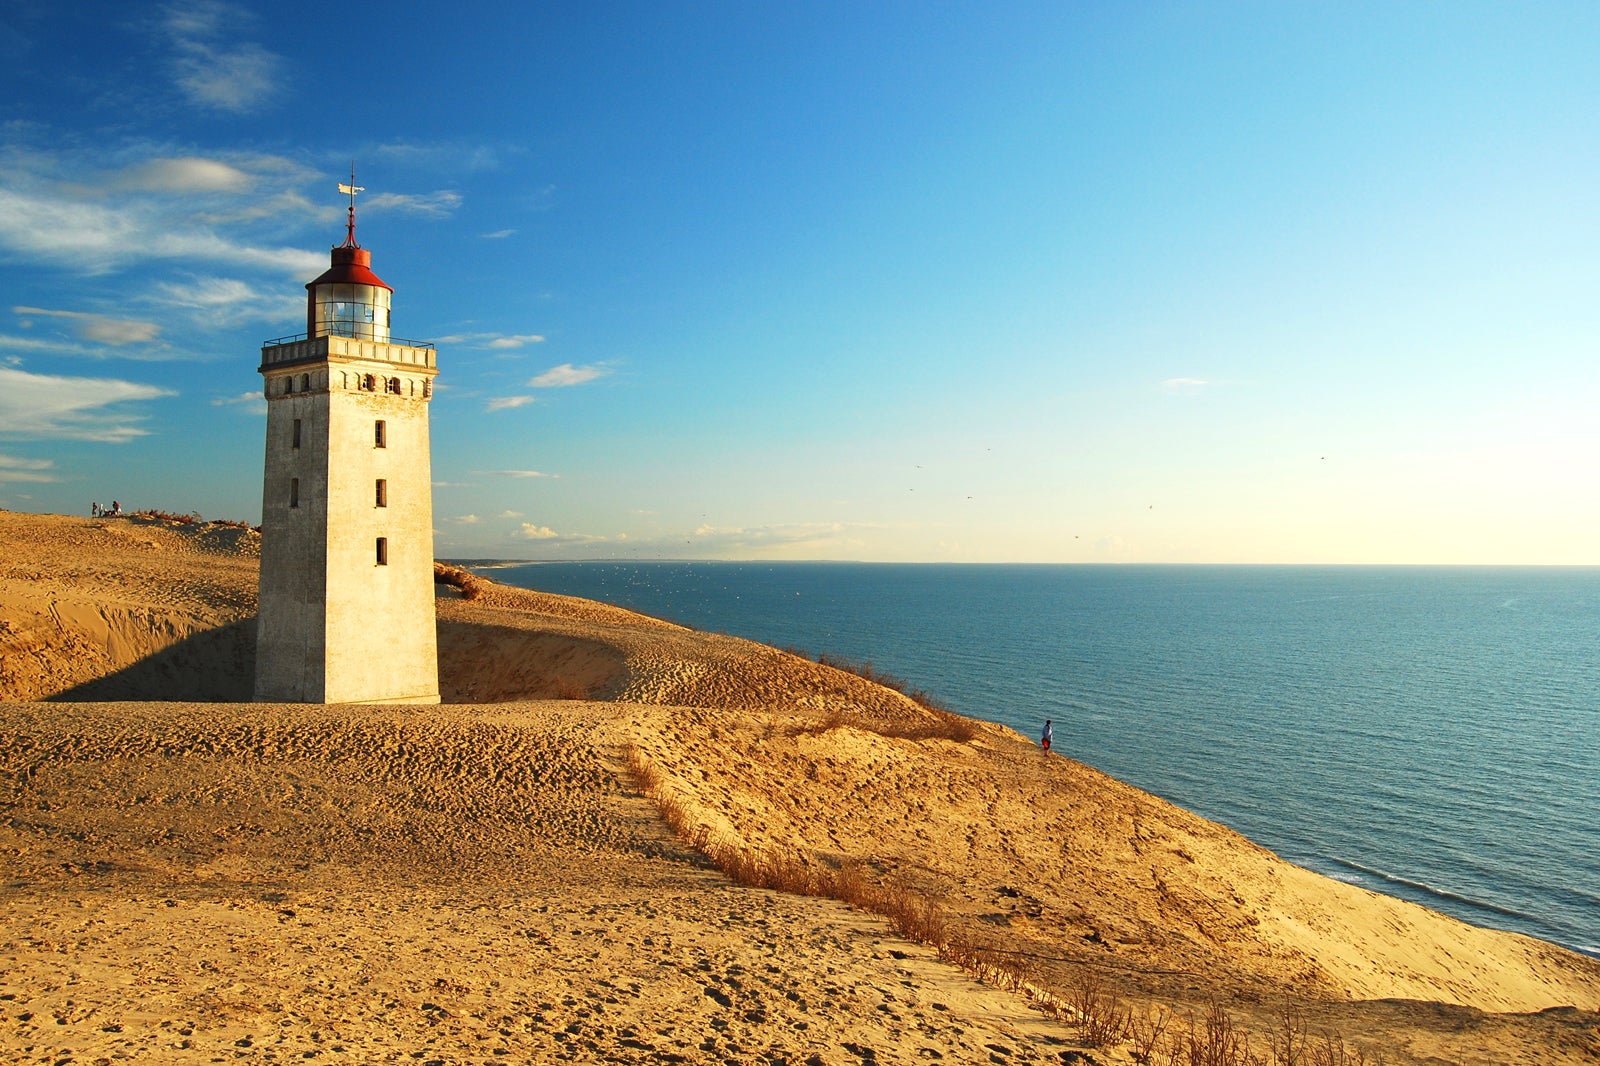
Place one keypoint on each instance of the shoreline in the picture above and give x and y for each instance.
(1132, 723)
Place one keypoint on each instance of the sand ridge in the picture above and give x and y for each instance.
(482, 881)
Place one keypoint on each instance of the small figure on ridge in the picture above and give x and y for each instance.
(1046, 737)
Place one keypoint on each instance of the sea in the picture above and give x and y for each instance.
(1431, 733)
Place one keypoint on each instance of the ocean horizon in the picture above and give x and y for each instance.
(1426, 732)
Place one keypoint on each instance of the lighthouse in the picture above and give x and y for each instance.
(346, 604)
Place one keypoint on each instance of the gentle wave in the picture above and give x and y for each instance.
(1438, 893)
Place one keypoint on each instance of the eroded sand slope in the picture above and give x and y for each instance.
(471, 883)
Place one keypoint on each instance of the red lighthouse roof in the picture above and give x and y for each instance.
(352, 265)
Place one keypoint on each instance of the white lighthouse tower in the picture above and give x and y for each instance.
(346, 611)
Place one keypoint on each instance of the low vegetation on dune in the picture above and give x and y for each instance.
(1151, 1033)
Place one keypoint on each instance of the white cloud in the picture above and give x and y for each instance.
(497, 341)
(518, 473)
(433, 204)
(209, 292)
(537, 532)
(98, 328)
(516, 340)
(771, 539)
(69, 208)
(499, 234)
(211, 65)
(94, 409)
(565, 375)
(34, 471)
(250, 402)
(186, 174)
(502, 403)
(509, 514)
(60, 346)
(230, 301)
(467, 520)
(73, 228)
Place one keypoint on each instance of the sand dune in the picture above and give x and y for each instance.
(188, 876)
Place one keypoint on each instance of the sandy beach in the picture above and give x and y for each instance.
(191, 877)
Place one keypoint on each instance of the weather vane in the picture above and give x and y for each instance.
(352, 189)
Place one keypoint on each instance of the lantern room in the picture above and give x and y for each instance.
(348, 299)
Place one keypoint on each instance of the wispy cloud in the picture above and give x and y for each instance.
(35, 471)
(499, 234)
(516, 340)
(185, 174)
(444, 155)
(784, 540)
(100, 329)
(58, 344)
(211, 64)
(432, 204)
(249, 402)
(95, 228)
(1184, 384)
(229, 301)
(466, 520)
(92, 409)
(516, 473)
(492, 341)
(566, 375)
(504, 403)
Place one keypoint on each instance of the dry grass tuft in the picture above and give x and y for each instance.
(191, 519)
(150, 515)
(1216, 1040)
(1096, 1010)
(939, 725)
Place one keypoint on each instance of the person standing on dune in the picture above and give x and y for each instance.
(1046, 737)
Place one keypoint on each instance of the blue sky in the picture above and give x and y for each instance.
(970, 282)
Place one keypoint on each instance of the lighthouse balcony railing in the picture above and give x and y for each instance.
(296, 338)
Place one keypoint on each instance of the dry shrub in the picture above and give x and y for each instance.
(152, 515)
(942, 725)
(470, 584)
(1289, 1041)
(1100, 1016)
(834, 719)
(1329, 1049)
(1217, 1042)
(912, 915)
(863, 669)
(1292, 1044)
(1145, 1030)
(564, 689)
(1098, 1013)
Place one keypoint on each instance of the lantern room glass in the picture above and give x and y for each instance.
(360, 311)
